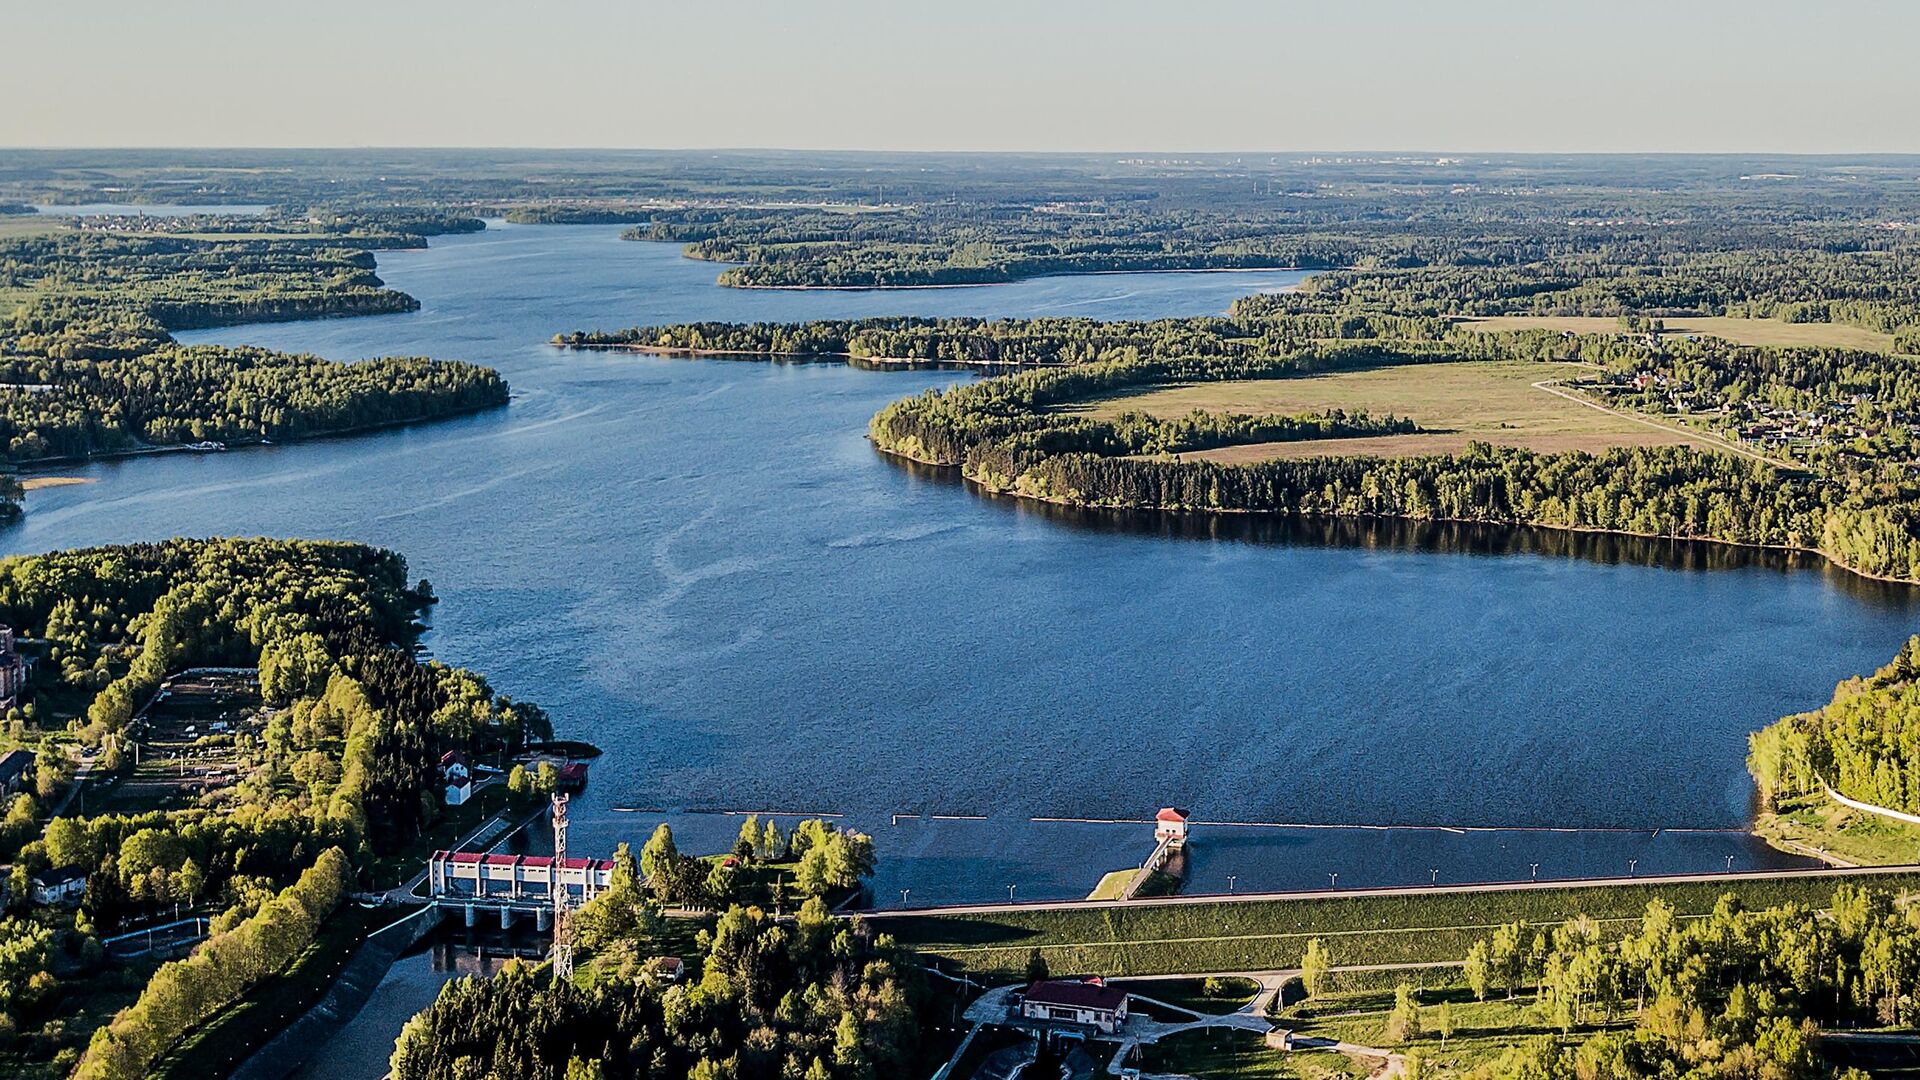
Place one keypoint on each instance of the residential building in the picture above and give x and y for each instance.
(16, 771)
(1088, 1003)
(458, 777)
(63, 885)
(13, 670)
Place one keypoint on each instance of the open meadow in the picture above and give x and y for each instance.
(1454, 405)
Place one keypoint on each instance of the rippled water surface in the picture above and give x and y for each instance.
(702, 566)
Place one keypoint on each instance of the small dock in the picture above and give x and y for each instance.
(1170, 836)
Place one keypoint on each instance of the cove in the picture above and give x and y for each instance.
(702, 566)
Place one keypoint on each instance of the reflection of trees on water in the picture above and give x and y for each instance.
(1447, 537)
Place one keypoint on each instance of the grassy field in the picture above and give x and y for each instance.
(1191, 994)
(1482, 1030)
(1743, 331)
(1242, 1055)
(1110, 886)
(1454, 404)
(12, 225)
(1806, 826)
(1425, 927)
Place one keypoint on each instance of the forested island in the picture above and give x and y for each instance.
(88, 365)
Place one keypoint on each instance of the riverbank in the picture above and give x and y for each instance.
(852, 359)
(986, 487)
(1838, 835)
(214, 447)
(1027, 277)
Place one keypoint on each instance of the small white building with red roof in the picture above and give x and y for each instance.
(1170, 826)
(1086, 1002)
(458, 776)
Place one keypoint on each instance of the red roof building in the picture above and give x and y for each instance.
(472, 875)
(1170, 826)
(1087, 1002)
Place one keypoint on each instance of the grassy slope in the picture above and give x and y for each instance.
(1263, 935)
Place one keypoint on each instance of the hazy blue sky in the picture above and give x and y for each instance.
(1819, 75)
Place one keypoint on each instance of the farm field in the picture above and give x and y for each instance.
(1454, 404)
(1742, 331)
(1416, 927)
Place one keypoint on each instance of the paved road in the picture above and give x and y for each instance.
(1406, 890)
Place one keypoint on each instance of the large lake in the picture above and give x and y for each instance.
(702, 566)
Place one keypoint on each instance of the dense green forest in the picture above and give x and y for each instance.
(1738, 993)
(1865, 743)
(346, 761)
(813, 998)
(88, 366)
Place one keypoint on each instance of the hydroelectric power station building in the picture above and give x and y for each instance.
(469, 875)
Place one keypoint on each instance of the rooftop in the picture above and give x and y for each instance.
(59, 875)
(1077, 995)
(520, 860)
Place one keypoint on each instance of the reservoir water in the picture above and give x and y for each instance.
(703, 567)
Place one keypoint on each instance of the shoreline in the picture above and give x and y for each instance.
(49, 463)
(1791, 549)
(804, 358)
(1032, 277)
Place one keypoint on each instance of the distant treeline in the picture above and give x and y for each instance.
(1551, 255)
(184, 394)
(88, 364)
(551, 214)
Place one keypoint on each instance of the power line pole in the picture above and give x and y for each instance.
(562, 899)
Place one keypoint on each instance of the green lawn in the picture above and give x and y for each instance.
(1191, 994)
(1482, 1030)
(1112, 884)
(1240, 1055)
(1816, 823)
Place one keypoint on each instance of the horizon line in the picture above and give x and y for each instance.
(1002, 151)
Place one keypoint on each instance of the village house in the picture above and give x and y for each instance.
(16, 771)
(13, 670)
(62, 885)
(1088, 1002)
(667, 969)
(458, 777)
